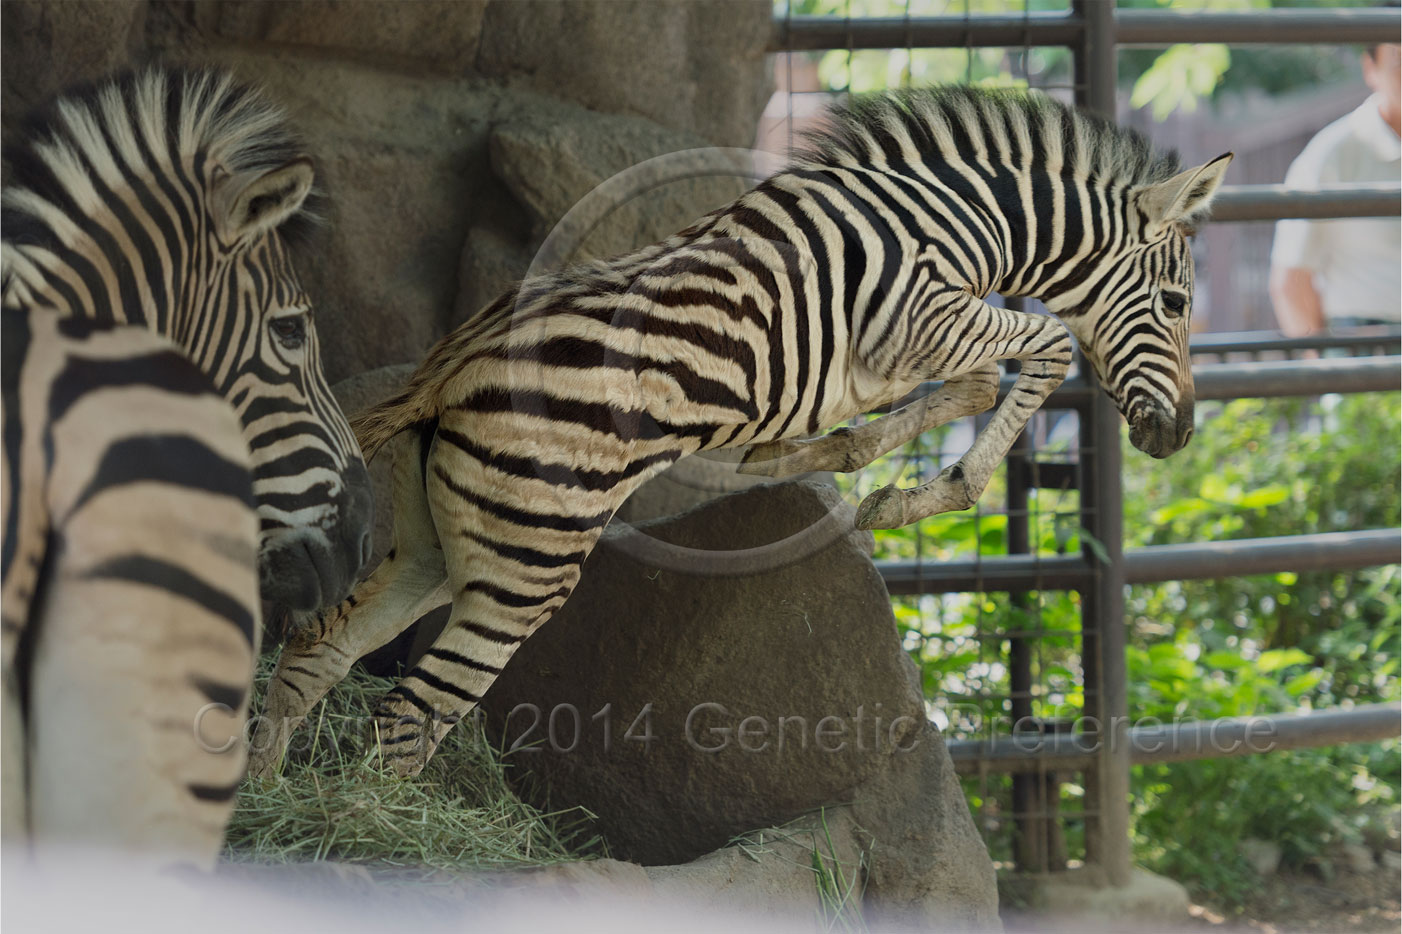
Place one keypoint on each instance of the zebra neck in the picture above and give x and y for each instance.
(1075, 229)
(1018, 230)
(94, 282)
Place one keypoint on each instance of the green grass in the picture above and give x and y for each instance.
(333, 802)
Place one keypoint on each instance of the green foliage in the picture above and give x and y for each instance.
(1268, 643)
(1197, 650)
(1180, 77)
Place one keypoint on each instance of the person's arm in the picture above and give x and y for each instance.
(1296, 301)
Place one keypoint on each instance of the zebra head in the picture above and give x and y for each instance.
(1132, 315)
(313, 491)
(167, 198)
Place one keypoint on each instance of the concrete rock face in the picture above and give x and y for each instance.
(682, 64)
(450, 135)
(687, 708)
(727, 669)
(45, 47)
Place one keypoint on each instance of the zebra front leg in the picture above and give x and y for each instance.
(1044, 347)
(320, 654)
(848, 449)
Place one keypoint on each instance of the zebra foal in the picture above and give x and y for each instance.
(834, 287)
(171, 449)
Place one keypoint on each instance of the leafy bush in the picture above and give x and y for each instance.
(1199, 649)
(1267, 643)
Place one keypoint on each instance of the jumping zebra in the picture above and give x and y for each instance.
(831, 289)
(167, 428)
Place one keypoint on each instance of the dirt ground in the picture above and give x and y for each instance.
(1304, 903)
(1297, 902)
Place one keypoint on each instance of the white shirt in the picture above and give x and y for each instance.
(1357, 261)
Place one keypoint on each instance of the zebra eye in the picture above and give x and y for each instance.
(290, 330)
(1174, 304)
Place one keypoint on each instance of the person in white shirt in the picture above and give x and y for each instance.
(1349, 269)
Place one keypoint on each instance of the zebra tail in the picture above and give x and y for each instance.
(414, 405)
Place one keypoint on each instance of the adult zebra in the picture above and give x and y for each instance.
(831, 289)
(150, 216)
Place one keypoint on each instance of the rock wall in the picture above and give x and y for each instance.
(451, 136)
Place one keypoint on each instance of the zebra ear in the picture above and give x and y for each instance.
(256, 202)
(1186, 197)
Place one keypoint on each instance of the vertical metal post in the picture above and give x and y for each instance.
(1103, 633)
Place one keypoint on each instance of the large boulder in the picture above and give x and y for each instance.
(436, 36)
(46, 47)
(732, 699)
(599, 172)
(733, 668)
(697, 67)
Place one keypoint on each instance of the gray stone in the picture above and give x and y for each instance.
(1355, 857)
(354, 395)
(427, 35)
(45, 47)
(928, 866)
(688, 483)
(492, 261)
(552, 160)
(1080, 900)
(771, 877)
(710, 702)
(1263, 855)
(698, 67)
(684, 659)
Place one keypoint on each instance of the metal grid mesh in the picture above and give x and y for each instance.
(994, 663)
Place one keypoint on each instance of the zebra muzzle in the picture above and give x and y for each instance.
(1159, 433)
(316, 567)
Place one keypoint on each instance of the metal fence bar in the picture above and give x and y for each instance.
(1273, 202)
(819, 33)
(1102, 499)
(1128, 27)
(1202, 739)
(1271, 379)
(1279, 27)
(1322, 551)
(1253, 342)
(1264, 379)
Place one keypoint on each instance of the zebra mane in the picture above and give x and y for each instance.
(956, 121)
(95, 137)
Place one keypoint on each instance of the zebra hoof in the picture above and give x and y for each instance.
(400, 742)
(882, 509)
(768, 459)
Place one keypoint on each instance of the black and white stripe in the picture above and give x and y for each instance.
(829, 290)
(168, 199)
(131, 587)
(170, 444)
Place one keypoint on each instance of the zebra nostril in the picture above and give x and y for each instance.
(367, 545)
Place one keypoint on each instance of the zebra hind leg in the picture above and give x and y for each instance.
(848, 449)
(488, 623)
(513, 542)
